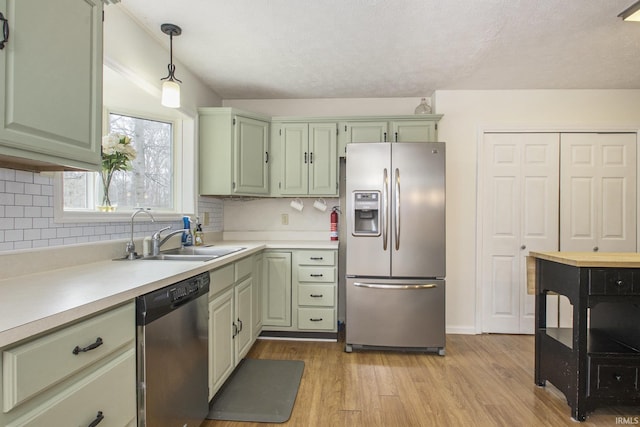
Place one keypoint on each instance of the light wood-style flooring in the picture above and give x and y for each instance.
(484, 380)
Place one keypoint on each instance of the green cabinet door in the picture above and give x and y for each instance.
(367, 131)
(221, 351)
(323, 159)
(252, 156)
(294, 159)
(276, 289)
(51, 83)
(413, 131)
(308, 159)
(233, 152)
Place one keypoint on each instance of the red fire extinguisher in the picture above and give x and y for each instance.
(334, 223)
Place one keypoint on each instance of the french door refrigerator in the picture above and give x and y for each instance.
(395, 273)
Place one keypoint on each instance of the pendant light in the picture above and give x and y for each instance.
(170, 86)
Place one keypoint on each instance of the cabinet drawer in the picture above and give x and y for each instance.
(316, 257)
(614, 377)
(111, 389)
(316, 318)
(609, 281)
(318, 295)
(317, 274)
(221, 279)
(24, 375)
(244, 267)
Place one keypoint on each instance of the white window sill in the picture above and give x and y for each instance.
(117, 216)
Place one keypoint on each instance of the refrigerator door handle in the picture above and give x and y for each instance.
(396, 219)
(385, 209)
(401, 287)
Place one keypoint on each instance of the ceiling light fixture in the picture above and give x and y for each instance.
(170, 87)
(632, 13)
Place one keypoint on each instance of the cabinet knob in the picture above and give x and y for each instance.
(595, 249)
(523, 247)
(619, 283)
(617, 377)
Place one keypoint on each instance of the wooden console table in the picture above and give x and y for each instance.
(596, 362)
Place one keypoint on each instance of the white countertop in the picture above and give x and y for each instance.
(34, 303)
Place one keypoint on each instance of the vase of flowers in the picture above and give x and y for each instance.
(117, 154)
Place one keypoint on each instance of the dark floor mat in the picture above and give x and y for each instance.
(259, 390)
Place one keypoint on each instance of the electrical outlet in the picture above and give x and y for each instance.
(285, 219)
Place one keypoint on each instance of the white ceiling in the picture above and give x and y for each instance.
(253, 49)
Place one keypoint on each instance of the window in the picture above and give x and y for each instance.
(149, 183)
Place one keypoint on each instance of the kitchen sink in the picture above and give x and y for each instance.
(195, 253)
(174, 257)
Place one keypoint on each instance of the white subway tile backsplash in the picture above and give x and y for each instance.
(26, 216)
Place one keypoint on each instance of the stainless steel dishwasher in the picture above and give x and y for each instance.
(172, 353)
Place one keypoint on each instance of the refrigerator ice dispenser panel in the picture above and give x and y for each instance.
(366, 213)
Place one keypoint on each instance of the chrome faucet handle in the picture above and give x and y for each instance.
(156, 235)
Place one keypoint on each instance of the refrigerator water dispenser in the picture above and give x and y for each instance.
(366, 213)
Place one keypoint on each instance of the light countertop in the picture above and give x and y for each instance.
(592, 259)
(34, 303)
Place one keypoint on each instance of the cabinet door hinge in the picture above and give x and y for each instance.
(233, 185)
(280, 132)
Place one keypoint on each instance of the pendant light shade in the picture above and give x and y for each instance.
(170, 86)
(171, 94)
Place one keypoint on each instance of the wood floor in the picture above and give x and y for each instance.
(484, 380)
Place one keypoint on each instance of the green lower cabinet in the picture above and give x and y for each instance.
(231, 324)
(99, 385)
(300, 291)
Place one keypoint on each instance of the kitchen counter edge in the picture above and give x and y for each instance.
(105, 285)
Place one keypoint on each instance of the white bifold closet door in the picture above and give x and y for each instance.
(597, 197)
(520, 213)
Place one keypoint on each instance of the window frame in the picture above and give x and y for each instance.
(184, 177)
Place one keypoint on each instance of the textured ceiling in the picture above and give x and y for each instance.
(246, 49)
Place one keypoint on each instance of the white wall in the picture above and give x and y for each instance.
(466, 115)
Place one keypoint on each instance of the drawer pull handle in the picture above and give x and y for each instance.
(316, 258)
(5, 31)
(98, 419)
(317, 275)
(90, 347)
(316, 320)
(316, 295)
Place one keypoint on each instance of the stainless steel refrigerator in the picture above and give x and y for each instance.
(395, 217)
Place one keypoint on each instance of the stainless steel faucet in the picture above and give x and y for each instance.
(156, 243)
(131, 246)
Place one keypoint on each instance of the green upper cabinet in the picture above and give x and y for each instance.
(51, 84)
(234, 152)
(307, 159)
(388, 129)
